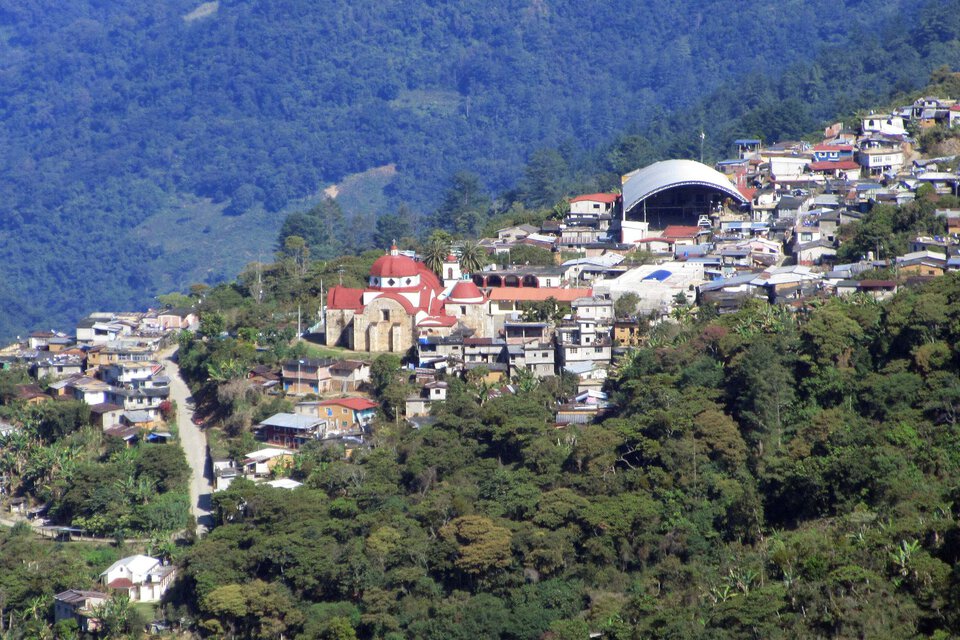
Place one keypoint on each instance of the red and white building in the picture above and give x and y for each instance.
(404, 300)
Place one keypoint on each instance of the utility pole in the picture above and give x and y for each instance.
(259, 278)
(702, 137)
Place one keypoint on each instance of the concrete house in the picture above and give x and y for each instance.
(141, 578)
(79, 605)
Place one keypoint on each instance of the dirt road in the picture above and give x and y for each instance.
(194, 443)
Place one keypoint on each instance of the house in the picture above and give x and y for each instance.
(105, 415)
(177, 319)
(306, 375)
(347, 414)
(419, 405)
(593, 203)
(877, 289)
(99, 328)
(30, 394)
(536, 355)
(141, 419)
(922, 263)
(147, 399)
(518, 232)
(590, 375)
(128, 434)
(880, 156)
(684, 234)
(627, 332)
(263, 376)
(583, 341)
(952, 217)
(38, 340)
(815, 252)
(482, 351)
(441, 352)
(891, 125)
(262, 462)
(89, 390)
(593, 308)
(140, 577)
(224, 473)
(832, 152)
(56, 367)
(291, 430)
(349, 375)
(131, 373)
(80, 606)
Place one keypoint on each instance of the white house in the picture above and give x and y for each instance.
(890, 125)
(142, 578)
(593, 203)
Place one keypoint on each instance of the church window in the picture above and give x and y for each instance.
(391, 282)
(385, 314)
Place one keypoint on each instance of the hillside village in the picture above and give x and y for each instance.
(766, 224)
(679, 236)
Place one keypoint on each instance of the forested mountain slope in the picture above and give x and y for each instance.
(132, 130)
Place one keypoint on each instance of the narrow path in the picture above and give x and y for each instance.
(194, 443)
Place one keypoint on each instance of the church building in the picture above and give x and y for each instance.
(404, 300)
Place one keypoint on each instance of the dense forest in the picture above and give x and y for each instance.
(150, 145)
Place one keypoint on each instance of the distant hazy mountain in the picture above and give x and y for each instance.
(146, 145)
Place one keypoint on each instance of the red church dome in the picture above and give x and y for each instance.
(465, 292)
(394, 265)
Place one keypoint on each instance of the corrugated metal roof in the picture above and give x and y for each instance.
(660, 176)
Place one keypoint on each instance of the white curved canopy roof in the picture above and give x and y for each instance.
(667, 174)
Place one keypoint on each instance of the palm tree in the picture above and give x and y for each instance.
(435, 253)
(472, 257)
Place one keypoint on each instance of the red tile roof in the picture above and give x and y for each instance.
(340, 297)
(655, 239)
(394, 266)
(357, 404)
(596, 197)
(538, 294)
(437, 321)
(465, 292)
(120, 583)
(832, 166)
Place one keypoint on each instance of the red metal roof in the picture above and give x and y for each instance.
(833, 147)
(597, 197)
(357, 404)
(832, 166)
(681, 231)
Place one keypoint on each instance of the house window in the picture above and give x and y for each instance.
(449, 273)
(385, 313)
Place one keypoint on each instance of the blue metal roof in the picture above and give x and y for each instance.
(659, 275)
